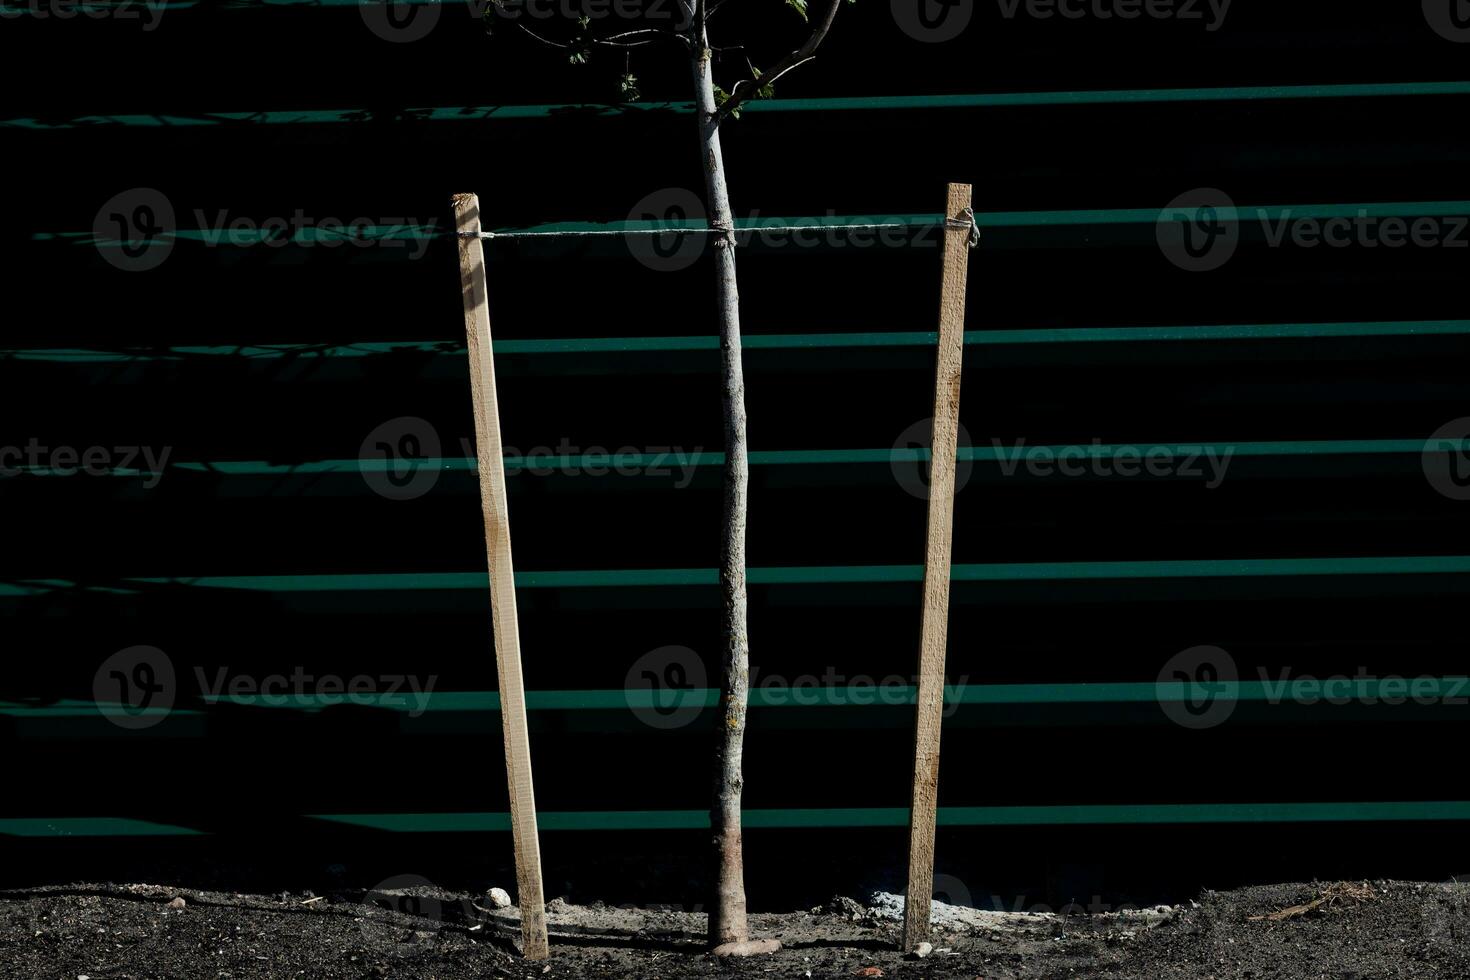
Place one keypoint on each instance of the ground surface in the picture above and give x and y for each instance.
(1351, 931)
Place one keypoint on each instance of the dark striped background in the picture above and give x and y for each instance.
(243, 554)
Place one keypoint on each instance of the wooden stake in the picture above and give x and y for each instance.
(502, 577)
(935, 629)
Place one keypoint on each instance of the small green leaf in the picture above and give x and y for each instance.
(629, 87)
(721, 97)
(799, 6)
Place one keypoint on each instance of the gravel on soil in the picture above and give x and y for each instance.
(1375, 930)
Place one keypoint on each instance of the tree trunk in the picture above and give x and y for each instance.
(727, 921)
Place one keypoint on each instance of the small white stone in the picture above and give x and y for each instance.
(922, 950)
(499, 898)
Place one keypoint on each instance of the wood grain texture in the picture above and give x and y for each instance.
(935, 627)
(491, 458)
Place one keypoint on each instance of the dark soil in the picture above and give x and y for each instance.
(1364, 931)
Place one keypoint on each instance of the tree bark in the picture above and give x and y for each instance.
(727, 920)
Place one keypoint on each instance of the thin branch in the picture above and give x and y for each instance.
(652, 34)
(648, 36)
(747, 89)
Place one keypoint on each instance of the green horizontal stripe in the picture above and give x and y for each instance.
(994, 816)
(1013, 219)
(780, 575)
(1165, 813)
(677, 461)
(781, 225)
(1186, 813)
(1242, 213)
(1216, 568)
(71, 708)
(1249, 331)
(1238, 93)
(781, 696)
(249, 238)
(618, 345)
(283, 117)
(90, 827)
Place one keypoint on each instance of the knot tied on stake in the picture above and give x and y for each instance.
(966, 219)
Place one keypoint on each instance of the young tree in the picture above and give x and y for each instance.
(728, 928)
